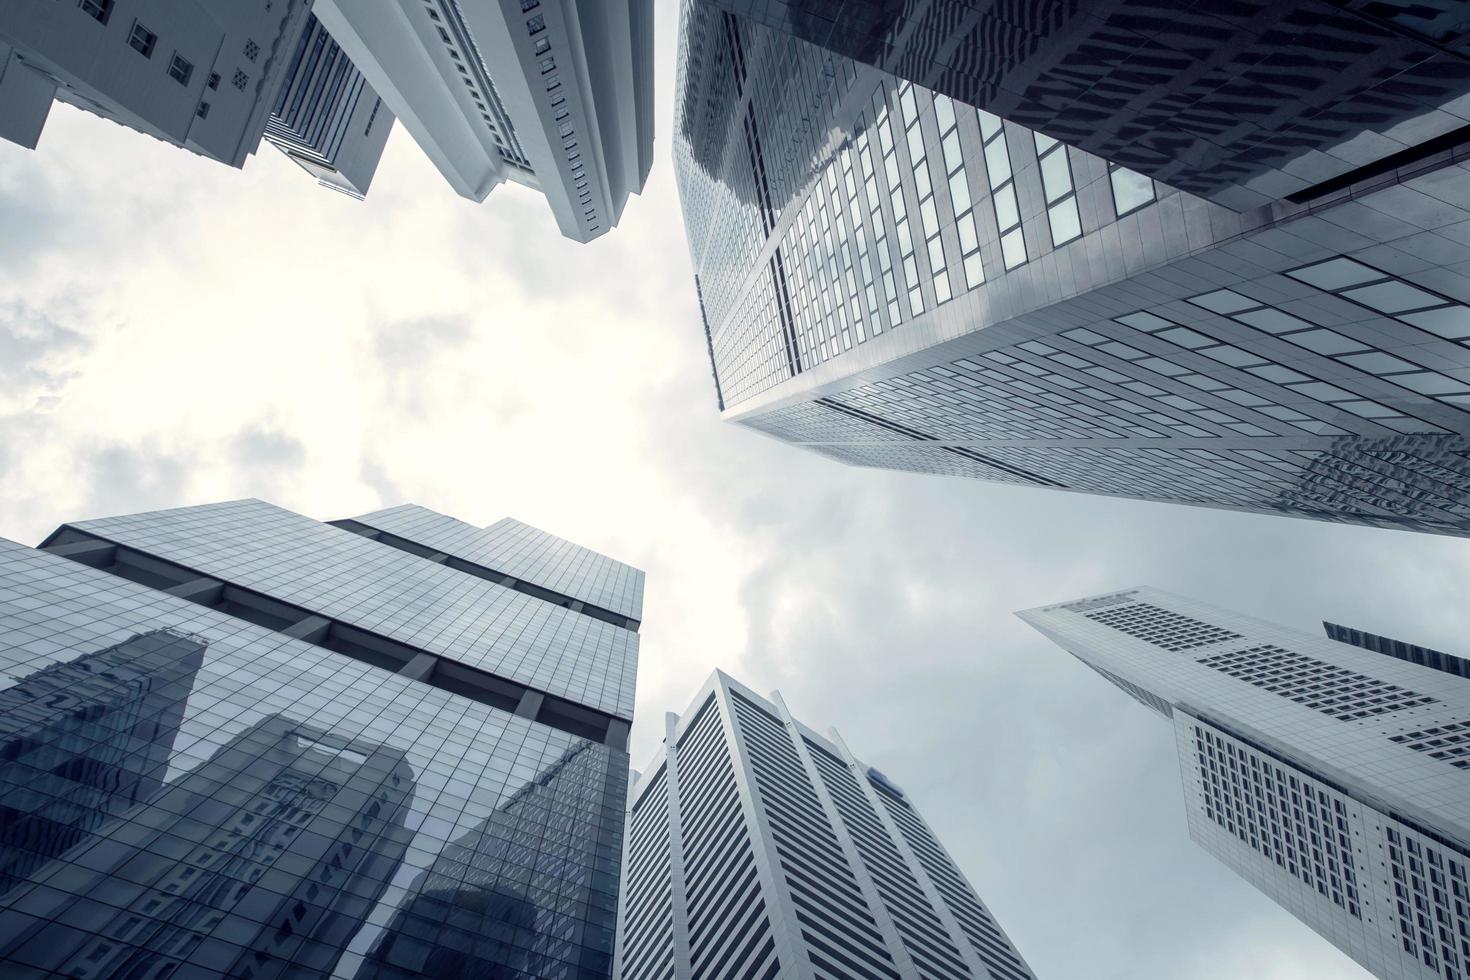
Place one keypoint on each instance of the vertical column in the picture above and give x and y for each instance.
(936, 901)
(869, 888)
(795, 964)
(678, 897)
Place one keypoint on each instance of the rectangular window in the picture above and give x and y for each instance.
(142, 40)
(1056, 184)
(959, 191)
(1131, 190)
(1002, 189)
(536, 24)
(203, 111)
(547, 65)
(181, 70)
(529, 5)
(213, 80)
(98, 10)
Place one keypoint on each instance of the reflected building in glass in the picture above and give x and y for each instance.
(1331, 772)
(758, 848)
(1212, 257)
(237, 742)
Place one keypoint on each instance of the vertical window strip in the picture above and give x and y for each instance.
(924, 184)
(959, 191)
(1002, 189)
(900, 213)
(880, 229)
(1060, 190)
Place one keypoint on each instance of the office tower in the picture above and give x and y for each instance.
(1330, 776)
(758, 848)
(326, 118)
(200, 74)
(897, 278)
(556, 95)
(1411, 652)
(239, 742)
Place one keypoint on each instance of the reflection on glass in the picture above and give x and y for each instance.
(531, 891)
(261, 862)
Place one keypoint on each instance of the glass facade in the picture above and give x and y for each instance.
(1240, 103)
(910, 282)
(192, 791)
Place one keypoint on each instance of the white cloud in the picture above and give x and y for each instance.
(174, 332)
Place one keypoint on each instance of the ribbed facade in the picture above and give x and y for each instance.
(237, 742)
(758, 848)
(1333, 776)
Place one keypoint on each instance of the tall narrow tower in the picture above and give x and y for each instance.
(235, 742)
(1334, 777)
(758, 848)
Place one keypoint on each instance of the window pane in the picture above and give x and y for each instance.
(1223, 301)
(1336, 273)
(1325, 342)
(1013, 247)
(1130, 190)
(998, 162)
(1055, 177)
(1451, 321)
(1392, 297)
(1065, 222)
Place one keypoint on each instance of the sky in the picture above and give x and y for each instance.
(175, 332)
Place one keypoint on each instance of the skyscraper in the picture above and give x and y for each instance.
(895, 278)
(758, 848)
(556, 95)
(326, 118)
(239, 742)
(1331, 776)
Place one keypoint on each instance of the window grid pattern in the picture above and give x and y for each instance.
(1449, 742)
(1335, 691)
(345, 577)
(908, 101)
(1280, 814)
(961, 204)
(1432, 901)
(1002, 189)
(1061, 194)
(904, 238)
(323, 778)
(1162, 627)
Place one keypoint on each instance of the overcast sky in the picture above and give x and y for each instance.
(174, 332)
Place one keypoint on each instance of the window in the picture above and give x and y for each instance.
(547, 65)
(1131, 190)
(181, 70)
(240, 80)
(1449, 742)
(1002, 189)
(252, 50)
(536, 24)
(213, 80)
(142, 40)
(98, 10)
(959, 190)
(1335, 691)
(924, 185)
(542, 46)
(1056, 184)
(527, 5)
(1161, 627)
(203, 111)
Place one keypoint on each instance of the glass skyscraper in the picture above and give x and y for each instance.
(237, 742)
(894, 277)
(760, 849)
(1331, 775)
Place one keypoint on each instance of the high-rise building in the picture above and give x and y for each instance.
(759, 848)
(200, 74)
(1333, 777)
(894, 277)
(556, 95)
(238, 742)
(326, 118)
